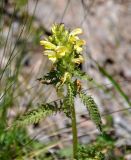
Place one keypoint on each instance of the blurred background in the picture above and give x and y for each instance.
(106, 28)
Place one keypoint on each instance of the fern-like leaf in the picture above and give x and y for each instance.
(35, 115)
(82, 75)
(68, 101)
(89, 102)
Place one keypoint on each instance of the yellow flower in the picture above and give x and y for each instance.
(48, 45)
(80, 42)
(72, 36)
(51, 55)
(78, 45)
(55, 53)
(57, 27)
(75, 40)
(76, 32)
(78, 60)
(60, 50)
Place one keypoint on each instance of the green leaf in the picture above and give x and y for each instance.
(35, 115)
(82, 75)
(68, 101)
(89, 102)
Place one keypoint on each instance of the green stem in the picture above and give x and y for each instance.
(74, 132)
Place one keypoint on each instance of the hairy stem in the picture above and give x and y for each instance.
(74, 132)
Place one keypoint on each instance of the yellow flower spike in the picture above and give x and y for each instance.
(47, 45)
(63, 42)
(76, 32)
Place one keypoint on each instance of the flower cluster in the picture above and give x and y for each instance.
(64, 48)
(63, 43)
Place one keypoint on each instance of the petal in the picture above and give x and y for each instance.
(76, 31)
(78, 49)
(61, 27)
(52, 58)
(47, 45)
(73, 39)
(49, 53)
(80, 42)
(53, 29)
(61, 50)
(78, 60)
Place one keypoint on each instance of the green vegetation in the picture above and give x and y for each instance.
(64, 49)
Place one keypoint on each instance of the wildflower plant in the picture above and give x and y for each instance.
(64, 49)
